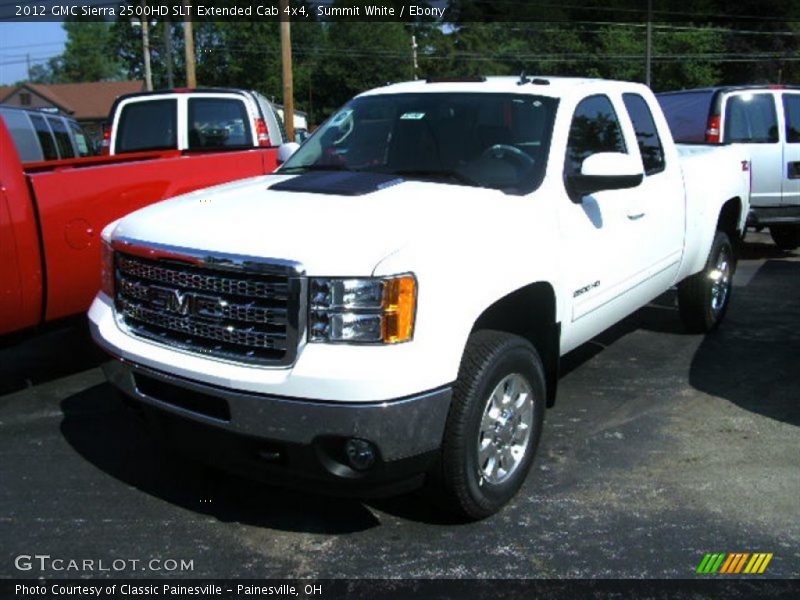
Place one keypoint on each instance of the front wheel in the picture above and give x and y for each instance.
(494, 424)
(703, 298)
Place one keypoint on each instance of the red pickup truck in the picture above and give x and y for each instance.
(52, 213)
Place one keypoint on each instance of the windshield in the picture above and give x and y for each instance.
(496, 141)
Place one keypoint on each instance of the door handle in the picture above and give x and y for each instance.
(636, 217)
(793, 170)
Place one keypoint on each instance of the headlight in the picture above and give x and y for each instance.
(107, 270)
(374, 310)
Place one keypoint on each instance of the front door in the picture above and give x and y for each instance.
(599, 249)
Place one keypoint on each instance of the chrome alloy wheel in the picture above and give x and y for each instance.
(720, 277)
(505, 429)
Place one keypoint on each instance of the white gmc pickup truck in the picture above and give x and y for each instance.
(390, 306)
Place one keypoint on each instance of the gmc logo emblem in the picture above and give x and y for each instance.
(187, 303)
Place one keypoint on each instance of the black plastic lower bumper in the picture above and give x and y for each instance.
(298, 443)
(773, 215)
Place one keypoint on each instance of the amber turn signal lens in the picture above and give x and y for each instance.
(399, 309)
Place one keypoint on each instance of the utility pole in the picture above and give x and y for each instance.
(168, 52)
(188, 36)
(148, 75)
(28, 64)
(286, 60)
(414, 54)
(649, 44)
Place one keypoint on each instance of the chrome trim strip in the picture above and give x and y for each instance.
(212, 260)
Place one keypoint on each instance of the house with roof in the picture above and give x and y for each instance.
(88, 103)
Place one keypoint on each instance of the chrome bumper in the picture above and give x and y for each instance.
(400, 428)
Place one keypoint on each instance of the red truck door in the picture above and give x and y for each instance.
(20, 259)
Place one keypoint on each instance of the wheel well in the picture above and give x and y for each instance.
(729, 218)
(530, 312)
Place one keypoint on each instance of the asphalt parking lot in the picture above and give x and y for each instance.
(662, 447)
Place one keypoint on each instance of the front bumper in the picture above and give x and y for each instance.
(288, 440)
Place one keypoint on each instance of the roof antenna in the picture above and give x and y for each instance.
(523, 79)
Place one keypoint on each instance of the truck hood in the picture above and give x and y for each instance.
(330, 234)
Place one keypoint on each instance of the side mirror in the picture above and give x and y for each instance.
(605, 171)
(286, 150)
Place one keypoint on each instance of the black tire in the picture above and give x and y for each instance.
(491, 357)
(786, 237)
(702, 308)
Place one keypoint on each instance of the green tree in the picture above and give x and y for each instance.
(356, 56)
(125, 43)
(680, 54)
(87, 55)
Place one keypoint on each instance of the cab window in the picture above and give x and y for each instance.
(751, 118)
(80, 139)
(218, 123)
(61, 134)
(646, 133)
(595, 128)
(147, 125)
(45, 137)
(791, 108)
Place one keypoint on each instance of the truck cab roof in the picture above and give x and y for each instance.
(525, 84)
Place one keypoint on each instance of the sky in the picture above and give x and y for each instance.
(41, 41)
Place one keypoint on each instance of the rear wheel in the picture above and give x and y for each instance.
(494, 424)
(786, 237)
(703, 298)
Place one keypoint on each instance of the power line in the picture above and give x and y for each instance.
(23, 46)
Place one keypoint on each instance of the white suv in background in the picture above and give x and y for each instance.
(764, 119)
(192, 119)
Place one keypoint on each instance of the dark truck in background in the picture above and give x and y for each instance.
(766, 120)
(43, 135)
(52, 213)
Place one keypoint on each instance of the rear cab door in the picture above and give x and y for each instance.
(750, 119)
(658, 218)
(790, 186)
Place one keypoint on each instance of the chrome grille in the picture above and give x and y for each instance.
(236, 313)
(201, 281)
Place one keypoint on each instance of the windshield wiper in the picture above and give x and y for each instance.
(309, 168)
(436, 175)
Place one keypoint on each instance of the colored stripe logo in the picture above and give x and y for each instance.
(731, 563)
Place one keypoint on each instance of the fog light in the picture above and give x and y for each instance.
(360, 453)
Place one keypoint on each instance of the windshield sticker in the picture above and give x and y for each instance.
(413, 116)
(341, 117)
